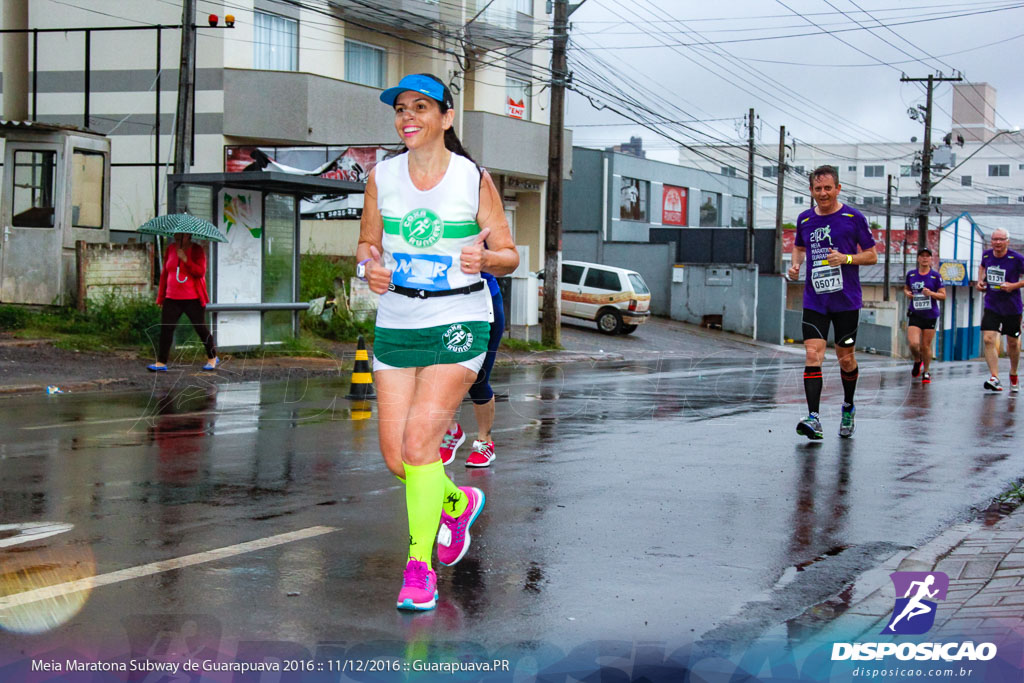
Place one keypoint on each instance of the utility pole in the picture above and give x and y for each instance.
(551, 331)
(778, 199)
(888, 232)
(750, 186)
(186, 89)
(926, 157)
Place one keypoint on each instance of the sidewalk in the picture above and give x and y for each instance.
(985, 565)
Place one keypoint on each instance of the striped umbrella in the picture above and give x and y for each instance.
(175, 223)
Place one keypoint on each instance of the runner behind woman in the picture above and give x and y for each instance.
(421, 247)
(481, 394)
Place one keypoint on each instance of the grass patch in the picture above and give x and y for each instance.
(1014, 495)
(111, 323)
(509, 344)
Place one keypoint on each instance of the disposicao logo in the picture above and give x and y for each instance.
(914, 612)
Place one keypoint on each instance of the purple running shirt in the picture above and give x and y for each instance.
(829, 289)
(1009, 268)
(922, 305)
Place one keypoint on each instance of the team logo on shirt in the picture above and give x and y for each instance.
(422, 228)
(458, 338)
(821, 234)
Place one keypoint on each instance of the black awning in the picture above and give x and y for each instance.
(270, 181)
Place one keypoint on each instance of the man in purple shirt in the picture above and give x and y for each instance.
(924, 290)
(1000, 277)
(835, 240)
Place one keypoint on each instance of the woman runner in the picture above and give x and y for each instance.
(421, 247)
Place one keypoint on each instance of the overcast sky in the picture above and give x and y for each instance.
(824, 81)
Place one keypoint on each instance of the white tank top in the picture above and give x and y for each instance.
(424, 233)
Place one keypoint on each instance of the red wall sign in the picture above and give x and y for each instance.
(673, 205)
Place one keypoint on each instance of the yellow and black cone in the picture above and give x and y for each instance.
(362, 377)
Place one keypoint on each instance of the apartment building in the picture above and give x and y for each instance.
(295, 76)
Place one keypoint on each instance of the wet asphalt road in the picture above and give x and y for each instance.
(666, 500)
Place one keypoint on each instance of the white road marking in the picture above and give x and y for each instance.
(61, 589)
(32, 531)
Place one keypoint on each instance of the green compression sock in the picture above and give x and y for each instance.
(455, 500)
(424, 491)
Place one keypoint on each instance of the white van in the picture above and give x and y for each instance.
(615, 298)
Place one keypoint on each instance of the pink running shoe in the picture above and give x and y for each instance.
(453, 536)
(419, 587)
(482, 455)
(450, 443)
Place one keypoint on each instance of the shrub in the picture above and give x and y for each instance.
(319, 273)
(13, 318)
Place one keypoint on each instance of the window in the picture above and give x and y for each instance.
(710, 209)
(602, 279)
(1020, 167)
(874, 171)
(910, 170)
(770, 171)
(799, 170)
(851, 168)
(86, 189)
(1020, 199)
(998, 170)
(33, 189)
(874, 200)
(518, 93)
(729, 171)
(571, 274)
(997, 200)
(767, 201)
(798, 200)
(965, 180)
(936, 200)
(633, 195)
(278, 265)
(365, 64)
(524, 7)
(275, 42)
(909, 201)
(639, 286)
(738, 218)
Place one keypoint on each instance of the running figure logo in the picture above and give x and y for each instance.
(458, 338)
(422, 228)
(819, 235)
(914, 613)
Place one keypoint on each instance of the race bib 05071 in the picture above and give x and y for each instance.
(827, 279)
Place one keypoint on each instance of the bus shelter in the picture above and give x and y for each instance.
(254, 277)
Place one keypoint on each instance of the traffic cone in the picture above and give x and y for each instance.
(362, 378)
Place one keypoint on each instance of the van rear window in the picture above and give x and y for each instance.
(639, 286)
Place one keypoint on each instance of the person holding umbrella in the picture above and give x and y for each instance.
(183, 286)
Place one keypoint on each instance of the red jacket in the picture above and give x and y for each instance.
(196, 267)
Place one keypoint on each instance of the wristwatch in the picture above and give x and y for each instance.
(361, 269)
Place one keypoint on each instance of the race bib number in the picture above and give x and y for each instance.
(827, 279)
(428, 272)
(922, 302)
(995, 276)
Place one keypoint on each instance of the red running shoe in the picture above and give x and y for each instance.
(450, 443)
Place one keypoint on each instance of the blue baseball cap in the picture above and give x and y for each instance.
(420, 83)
